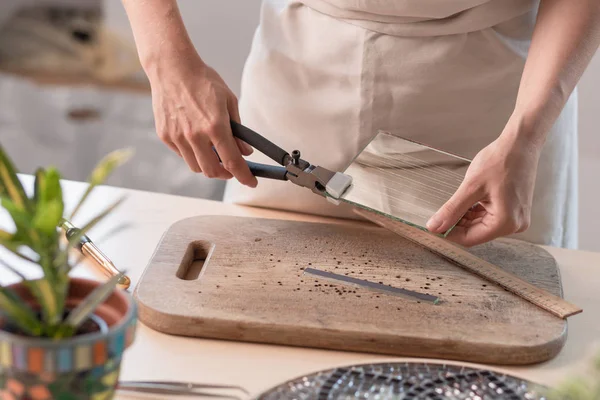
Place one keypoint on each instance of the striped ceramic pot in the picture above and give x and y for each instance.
(85, 366)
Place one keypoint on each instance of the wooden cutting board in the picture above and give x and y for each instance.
(248, 284)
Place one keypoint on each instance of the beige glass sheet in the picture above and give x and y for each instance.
(404, 180)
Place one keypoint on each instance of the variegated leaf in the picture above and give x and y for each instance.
(101, 172)
(82, 312)
(10, 185)
(44, 292)
(19, 313)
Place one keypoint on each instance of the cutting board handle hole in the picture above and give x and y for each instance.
(195, 258)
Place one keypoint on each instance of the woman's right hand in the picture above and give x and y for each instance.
(193, 108)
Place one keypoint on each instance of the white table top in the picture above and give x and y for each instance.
(156, 356)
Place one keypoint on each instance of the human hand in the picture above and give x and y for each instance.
(193, 108)
(495, 197)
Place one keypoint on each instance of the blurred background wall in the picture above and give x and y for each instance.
(74, 121)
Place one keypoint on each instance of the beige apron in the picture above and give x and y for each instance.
(323, 76)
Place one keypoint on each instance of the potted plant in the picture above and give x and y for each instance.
(60, 337)
(579, 387)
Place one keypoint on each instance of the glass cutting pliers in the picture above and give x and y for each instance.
(329, 184)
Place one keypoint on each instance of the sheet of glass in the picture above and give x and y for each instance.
(404, 180)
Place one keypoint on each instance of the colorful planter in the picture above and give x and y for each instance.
(83, 367)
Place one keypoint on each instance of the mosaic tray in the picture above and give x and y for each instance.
(400, 381)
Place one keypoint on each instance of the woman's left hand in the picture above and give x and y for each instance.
(495, 197)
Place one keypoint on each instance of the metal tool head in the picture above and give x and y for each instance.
(320, 180)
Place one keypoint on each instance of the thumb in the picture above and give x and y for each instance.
(454, 209)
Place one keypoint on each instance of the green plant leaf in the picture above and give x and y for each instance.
(101, 172)
(45, 292)
(20, 216)
(575, 389)
(10, 185)
(51, 190)
(86, 308)
(6, 236)
(49, 204)
(47, 216)
(12, 269)
(40, 176)
(74, 240)
(13, 247)
(19, 313)
(23, 222)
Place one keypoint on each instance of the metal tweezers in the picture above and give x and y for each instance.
(182, 389)
(319, 180)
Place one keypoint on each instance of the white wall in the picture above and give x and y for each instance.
(222, 31)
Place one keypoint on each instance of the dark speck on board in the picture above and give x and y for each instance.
(407, 280)
(257, 239)
(239, 276)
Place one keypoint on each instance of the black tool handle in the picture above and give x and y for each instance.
(264, 170)
(267, 171)
(260, 143)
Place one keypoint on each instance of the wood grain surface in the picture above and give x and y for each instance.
(251, 287)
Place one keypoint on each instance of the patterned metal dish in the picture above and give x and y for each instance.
(403, 381)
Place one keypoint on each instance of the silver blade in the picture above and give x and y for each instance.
(403, 180)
